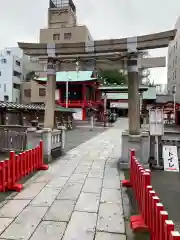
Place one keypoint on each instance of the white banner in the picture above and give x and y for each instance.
(123, 105)
(156, 122)
(170, 157)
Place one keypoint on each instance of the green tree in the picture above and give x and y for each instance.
(31, 75)
(110, 77)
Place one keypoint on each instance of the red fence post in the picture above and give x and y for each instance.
(151, 194)
(146, 182)
(23, 164)
(33, 160)
(163, 218)
(159, 208)
(155, 200)
(168, 227)
(2, 167)
(42, 166)
(1, 180)
(15, 173)
(148, 189)
(128, 182)
(13, 167)
(132, 155)
(30, 160)
(8, 178)
(174, 235)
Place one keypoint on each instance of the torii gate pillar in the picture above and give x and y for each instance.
(133, 138)
(49, 115)
(133, 97)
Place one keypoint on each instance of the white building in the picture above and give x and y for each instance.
(161, 89)
(173, 71)
(11, 74)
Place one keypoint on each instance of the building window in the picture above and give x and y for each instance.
(0, 73)
(67, 35)
(3, 60)
(16, 86)
(16, 74)
(42, 92)
(27, 93)
(18, 63)
(8, 52)
(56, 37)
(4, 87)
(6, 98)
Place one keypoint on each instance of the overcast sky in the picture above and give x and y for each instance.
(21, 20)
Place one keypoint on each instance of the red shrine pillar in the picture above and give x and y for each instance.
(84, 102)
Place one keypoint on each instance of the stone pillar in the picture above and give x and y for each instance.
(46, 137)
(63, 139)
(133, 97)
(50, 95)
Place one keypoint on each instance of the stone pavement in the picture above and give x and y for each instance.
(78, 198)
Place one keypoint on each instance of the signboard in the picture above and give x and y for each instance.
(156, 122)
(78, 114)
(170, 157)
(123, 105)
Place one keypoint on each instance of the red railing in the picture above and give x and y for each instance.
(153, 217)
(80, 102)
(18, 166)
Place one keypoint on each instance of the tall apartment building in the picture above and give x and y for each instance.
(11, 74)
(63, 27)
(173, 71)
(14, 67)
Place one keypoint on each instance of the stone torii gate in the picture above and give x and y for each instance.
(113, 50)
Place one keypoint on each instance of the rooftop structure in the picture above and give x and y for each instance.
(72, 76)
(62, 4)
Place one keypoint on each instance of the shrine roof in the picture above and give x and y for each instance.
(72, 76)
(37, 107)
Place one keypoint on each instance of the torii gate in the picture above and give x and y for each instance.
(108, 50)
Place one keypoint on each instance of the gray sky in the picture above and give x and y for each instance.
(21, 20)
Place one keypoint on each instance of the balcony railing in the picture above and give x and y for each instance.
(80, 102)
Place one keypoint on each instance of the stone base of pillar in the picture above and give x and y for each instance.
(141, 143)
(53, 142)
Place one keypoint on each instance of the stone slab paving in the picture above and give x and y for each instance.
(78, 198)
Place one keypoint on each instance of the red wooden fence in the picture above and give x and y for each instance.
(153, 217)
(18, 166)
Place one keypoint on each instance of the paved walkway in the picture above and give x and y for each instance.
(78, 198)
